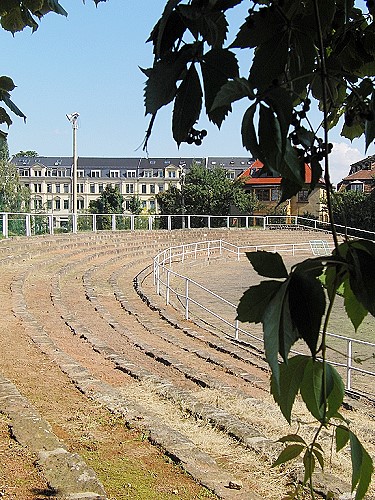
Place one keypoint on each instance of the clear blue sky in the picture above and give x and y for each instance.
(89, 62)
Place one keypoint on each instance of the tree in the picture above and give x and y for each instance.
(13, 196)
(28, 154)
(354, 209)
(316, 54)
(4, 150)
(109, 202)
(205, 192)
(135, 205)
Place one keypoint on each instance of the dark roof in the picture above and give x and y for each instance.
(46, 161)
(230, 162)
(363, 175)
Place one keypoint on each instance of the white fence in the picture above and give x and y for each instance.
(188, 292)
(28, 224)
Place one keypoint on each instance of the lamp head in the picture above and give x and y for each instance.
(72, 116)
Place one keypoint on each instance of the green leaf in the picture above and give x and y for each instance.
(268, 264)
(6, 84)
(292, 438)
(4, 117)
(13, 107)
(354, 309)
(361, 257)
(255, 300)
(319, 455)
(232, 91)
(307, 305)
(218, 66)
(249, 138)
(309, 464)
(273, 325)
(291, 375)
(171, 4)
(342, 437)
(362, 467)
(289, 453)
(335, 391)
(280, 101)
(187, 106)
(312, 388)
(270, 60)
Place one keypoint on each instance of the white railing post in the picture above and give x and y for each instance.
(5, 226)
(74, 223)
(169, 222)
(349, 366)
(150, 223)
(195, 251)
(221, 247)
(183, 253)
(28, 224)
(186, 299)
(247, 222)
(209, 222)
(264, 222)
(50, 224)
(188, 222)
(167, 288)
(94, 227)
(228, 224)
(208, 249)
(132, 222)
(238, 253)
(113, 222)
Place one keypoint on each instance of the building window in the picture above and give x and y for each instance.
(66, 188)
(37, 173)
(100, 188)
(95, 173)
(38, 204)
(231, 174)
(143, 188)
(148, 173)
(262, 194)
(143, 204)
(37, 188)
(152, 204)
(66, 204)
(25, 173)
(49, 204)
(275, 194)
(127, 205)
(130, 173)
(80, 204)
(114, 173)
(92, 188)
(161, 188)
(303, 196)
(172, 174)
(61, 173)
(152, 188)
(80, 173)
(58, 188)
(356, 186)
(49, 188)
(80, 188)
(57, 204)
(129, 188)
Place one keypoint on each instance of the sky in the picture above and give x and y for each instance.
(89, 63)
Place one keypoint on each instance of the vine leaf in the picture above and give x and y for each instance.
(268, 264)
(187, 106)
(289, 453)
(291, 375)
(309, 464)
(254, 301)
(342, 437)
(354, 309)
(362, 467)
(312, 390)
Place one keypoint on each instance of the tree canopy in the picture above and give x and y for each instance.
(206, 192)
(13, 196)
(109, 202)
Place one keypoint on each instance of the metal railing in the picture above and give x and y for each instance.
(29, 224)
(189, 292)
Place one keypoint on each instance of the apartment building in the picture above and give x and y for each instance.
(50, 178)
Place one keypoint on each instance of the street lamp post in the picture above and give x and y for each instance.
(73, 117)
(182, 181)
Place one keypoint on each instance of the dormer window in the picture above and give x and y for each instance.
(114, 173)
(95, 173)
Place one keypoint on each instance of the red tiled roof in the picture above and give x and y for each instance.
(249, 179)
(363, 174)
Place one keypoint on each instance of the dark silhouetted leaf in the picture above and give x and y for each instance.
(268, 264)
(354, 309)
(232, 91)
(342, 437)
(255, 300)
(187, 106)
(362, 467)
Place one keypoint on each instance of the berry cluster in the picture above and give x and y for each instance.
(196, 136)
(360, 113)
